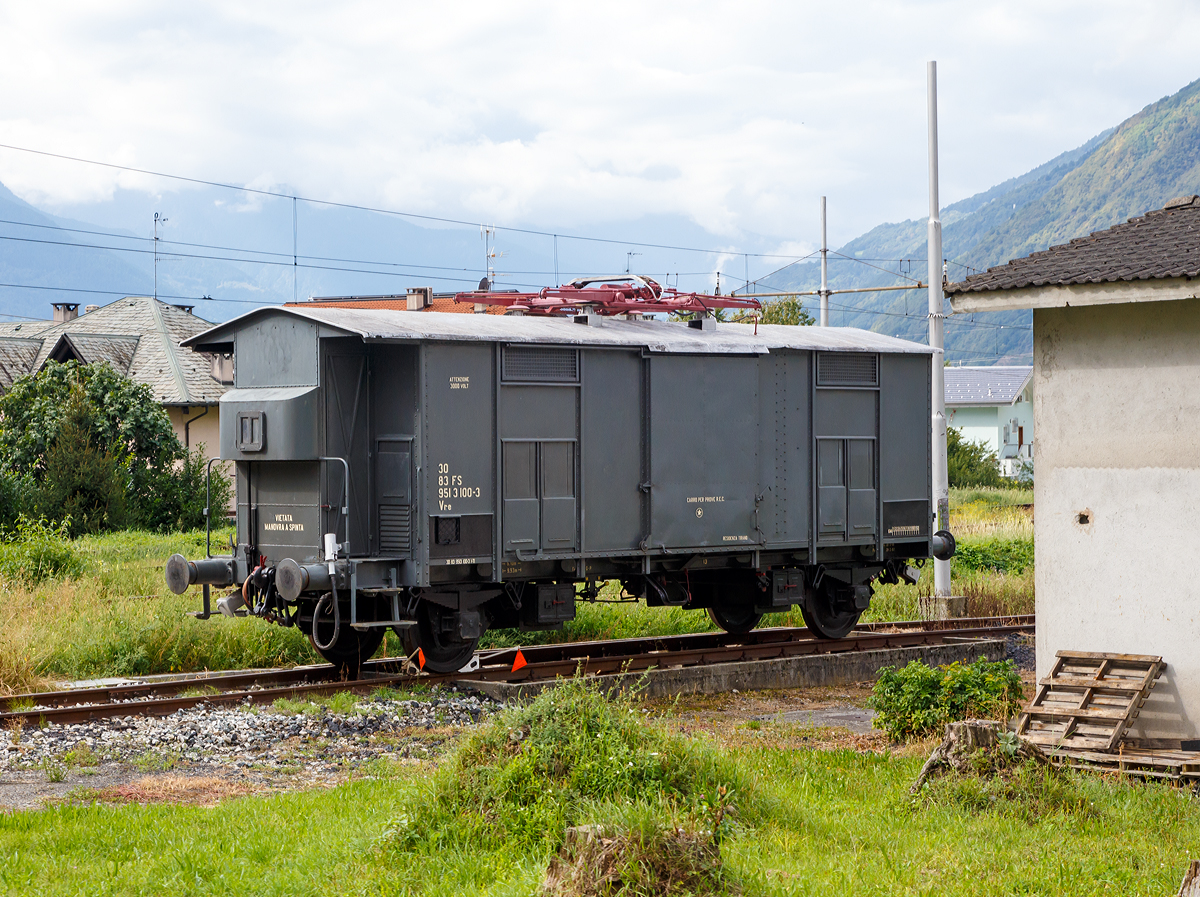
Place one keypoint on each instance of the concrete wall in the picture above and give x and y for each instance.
(205, 430)
(1117, 491)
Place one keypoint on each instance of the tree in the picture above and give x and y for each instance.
(788, 310)
(82, 484)
(785, 310)
(971, 463)
(91, 417)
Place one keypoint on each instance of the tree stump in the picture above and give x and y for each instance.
(964, 740)
(1191, 881)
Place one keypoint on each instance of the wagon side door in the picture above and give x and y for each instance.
(539, 436)
(846, 456)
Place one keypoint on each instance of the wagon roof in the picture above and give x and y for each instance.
(372, 324)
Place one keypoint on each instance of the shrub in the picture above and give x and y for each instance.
(190, 491)
(919, 700)
(1001, 555)
(18, 495)
(971, 463)
(35, 551)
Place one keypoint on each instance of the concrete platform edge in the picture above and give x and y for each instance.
(755, 675)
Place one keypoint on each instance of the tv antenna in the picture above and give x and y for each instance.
(157, 221)
(629, 260)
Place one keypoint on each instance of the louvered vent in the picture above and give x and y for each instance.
(395, 529)
(847, 369)
(541, 365)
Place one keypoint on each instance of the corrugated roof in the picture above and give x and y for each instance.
(16, 358)
(139, 336)
(400, 303)
(997, 385)
(1160, 244)
(656, 336)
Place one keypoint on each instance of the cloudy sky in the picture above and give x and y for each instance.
(735, 115)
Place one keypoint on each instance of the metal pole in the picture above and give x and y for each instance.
(824, 270)
(941, 488)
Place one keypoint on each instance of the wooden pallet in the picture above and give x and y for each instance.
(1089, 700)
(1176, 766)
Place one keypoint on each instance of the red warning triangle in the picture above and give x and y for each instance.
(519, 661)
(420, 659)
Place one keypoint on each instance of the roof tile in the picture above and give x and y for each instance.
(1162, 243)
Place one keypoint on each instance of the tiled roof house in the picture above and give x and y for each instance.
(139, 337)
(994, 405)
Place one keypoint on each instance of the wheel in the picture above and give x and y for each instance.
(434, 634)
(735, 618)
(351, 648)
(826, 619)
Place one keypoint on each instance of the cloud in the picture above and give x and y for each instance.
(736, 115)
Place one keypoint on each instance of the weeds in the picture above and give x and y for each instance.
(1029, 791)
(80, 755)
(55, 771)
(647, 856)
(535, 770)
(156, 761)
(199, 691)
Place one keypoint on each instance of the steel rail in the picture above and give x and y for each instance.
(544, 662)
(317, 673)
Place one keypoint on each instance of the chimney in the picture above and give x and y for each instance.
(88, 309)
(419, 298)
(65, 311)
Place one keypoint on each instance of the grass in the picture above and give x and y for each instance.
(116, 617)
(808, 822)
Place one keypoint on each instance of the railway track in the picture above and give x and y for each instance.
(542, 662)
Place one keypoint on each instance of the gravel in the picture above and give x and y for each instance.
(259, 737)
(1020, 651)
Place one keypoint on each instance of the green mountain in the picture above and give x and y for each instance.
(1122, 173)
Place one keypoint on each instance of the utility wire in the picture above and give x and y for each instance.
(279, 255)
(346, 205)
(221, 258)
(123, 293)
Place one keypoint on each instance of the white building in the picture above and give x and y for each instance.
(994, 406)
(1116, 403)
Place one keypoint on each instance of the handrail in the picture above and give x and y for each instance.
(345, 495)
(207, 503)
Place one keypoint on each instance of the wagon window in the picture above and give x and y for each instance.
(862, 465)
(558, 470)
(829, 463)
(520, 470)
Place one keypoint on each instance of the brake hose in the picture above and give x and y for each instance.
(337, 619)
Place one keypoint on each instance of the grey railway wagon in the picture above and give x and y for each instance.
(442, 474)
